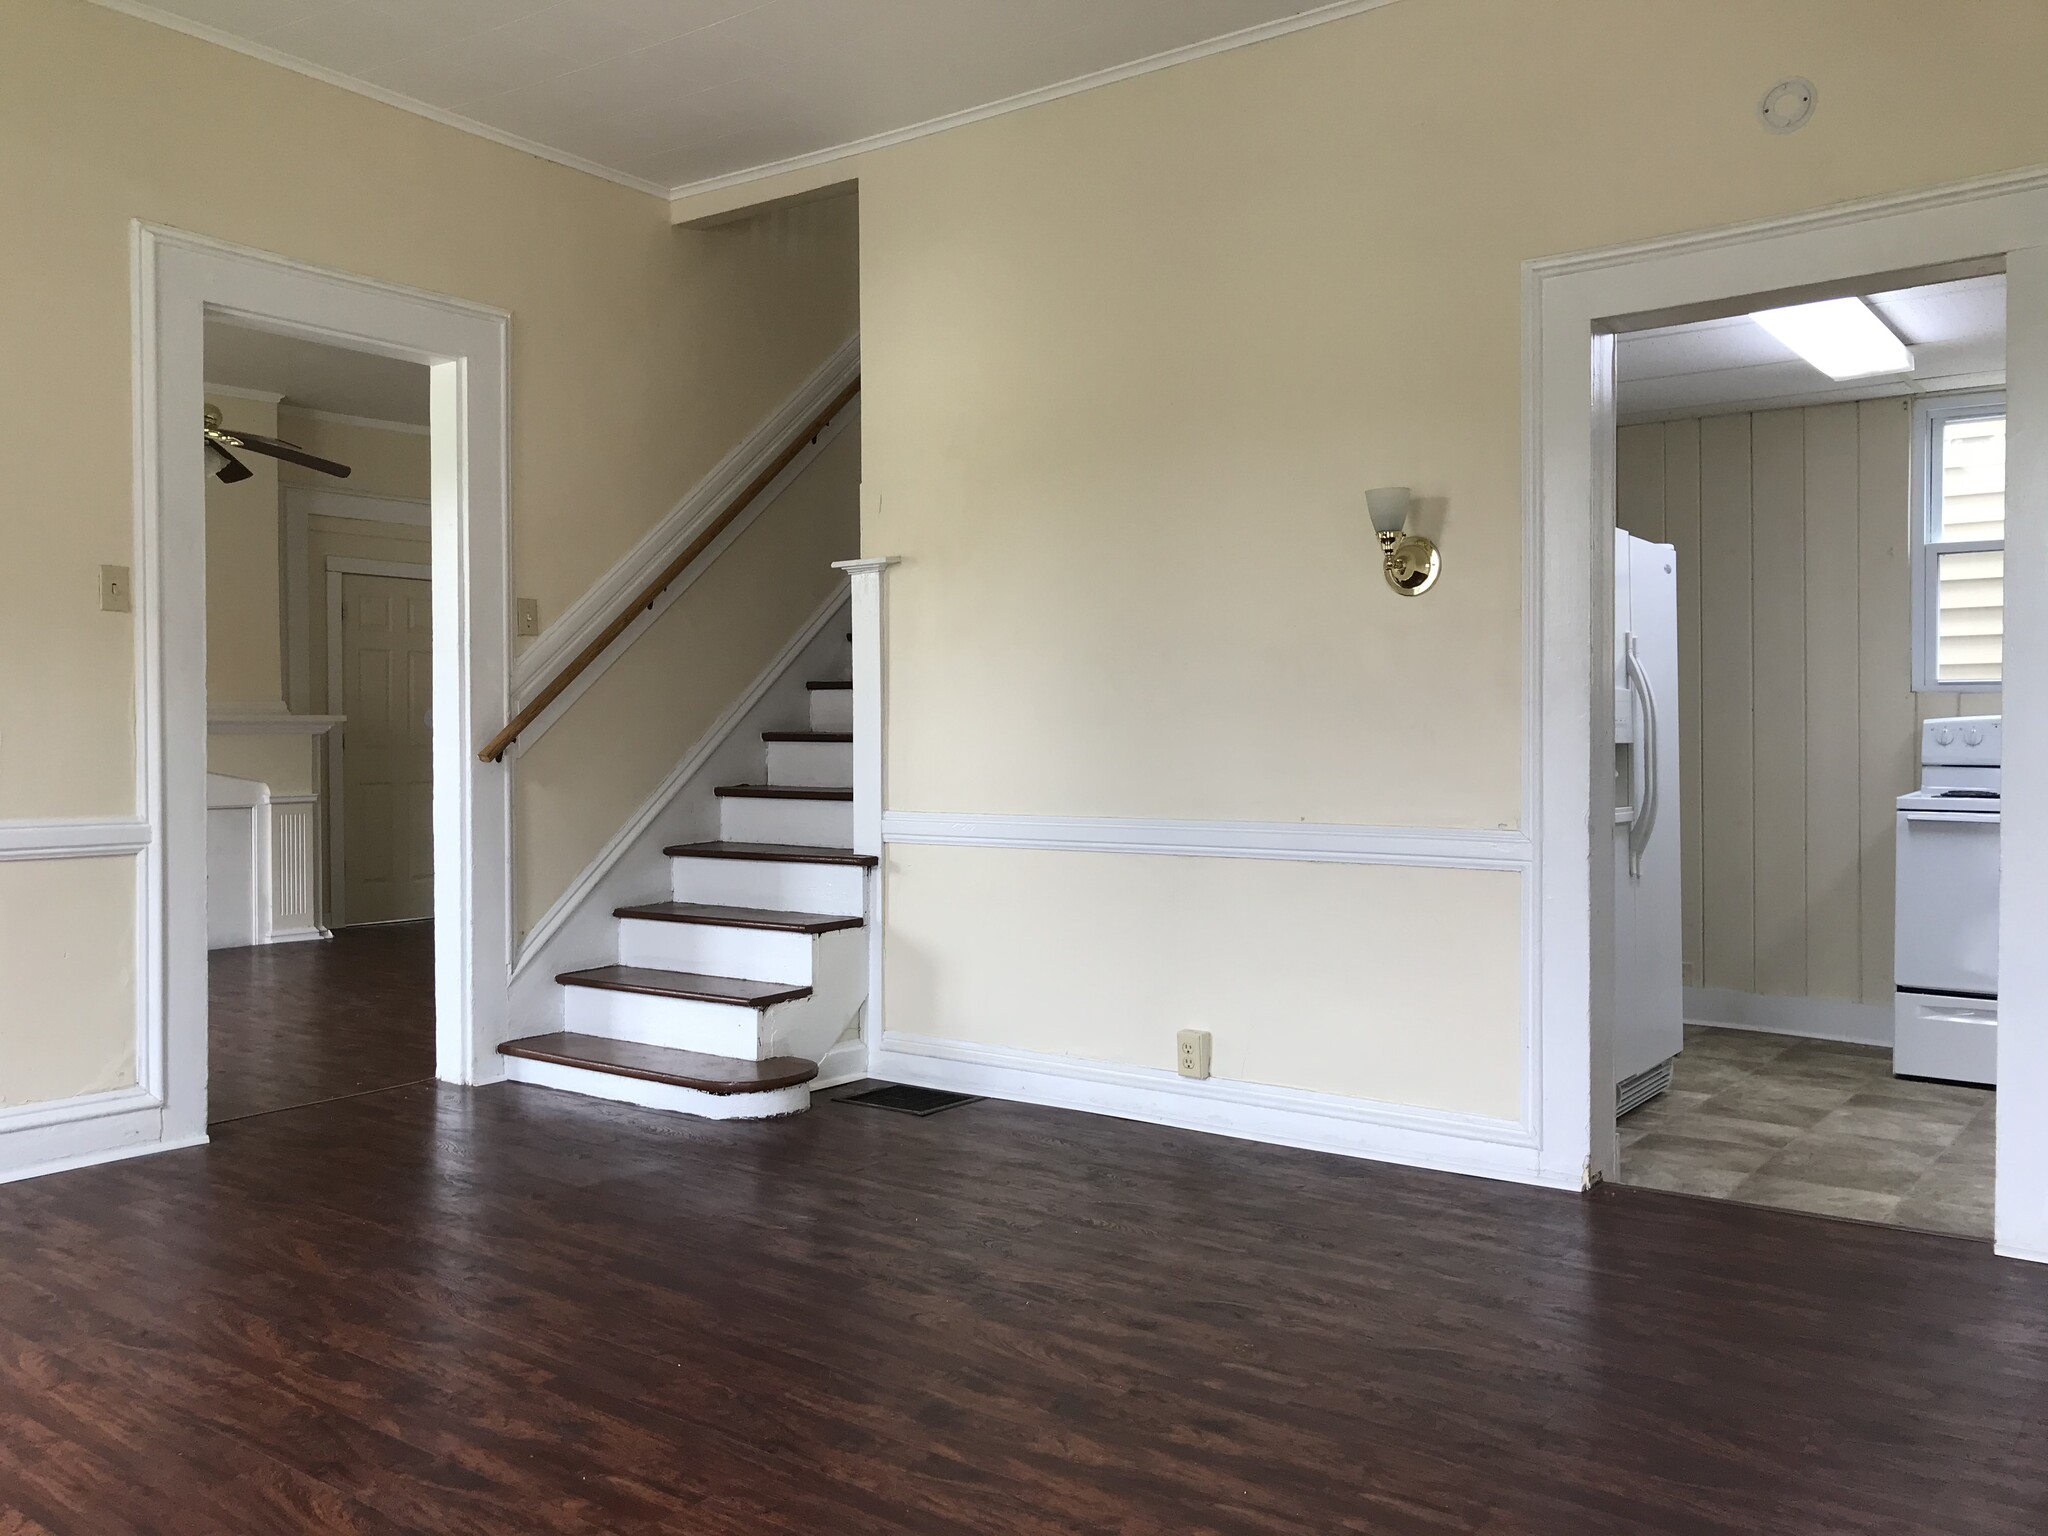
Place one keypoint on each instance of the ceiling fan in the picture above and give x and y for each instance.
(226, 468)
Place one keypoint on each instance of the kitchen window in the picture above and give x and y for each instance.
(1959, 543)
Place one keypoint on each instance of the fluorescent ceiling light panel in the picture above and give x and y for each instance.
(1843, 338)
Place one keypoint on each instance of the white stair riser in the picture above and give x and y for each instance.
(821, 823)
(683, 1024)
(685, 1101)
(810, 762)
(840, 889)
(831, 709)
(710, 950)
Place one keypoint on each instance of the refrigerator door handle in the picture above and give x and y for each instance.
(1645, 820)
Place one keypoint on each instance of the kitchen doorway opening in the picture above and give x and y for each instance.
(1808, 623)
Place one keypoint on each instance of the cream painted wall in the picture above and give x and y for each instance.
(1132, 357)
(640, 355)
(68, 1026)
(382, 461)
(1035, 950)
(244, 657)
(1796, 713)
(667, 689)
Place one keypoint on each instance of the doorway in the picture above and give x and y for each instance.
(1577, 305)
(182, 283)
(1802, 664)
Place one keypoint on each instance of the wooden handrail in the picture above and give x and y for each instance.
(500, 743)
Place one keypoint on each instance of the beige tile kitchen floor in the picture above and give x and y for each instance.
(1809, 1125)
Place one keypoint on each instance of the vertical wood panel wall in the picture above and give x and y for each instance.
(1797, 717)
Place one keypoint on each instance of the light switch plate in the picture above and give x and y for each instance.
(114, 596)
(526, 616)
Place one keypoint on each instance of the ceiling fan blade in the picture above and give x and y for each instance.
(291, 453)
(224, 466)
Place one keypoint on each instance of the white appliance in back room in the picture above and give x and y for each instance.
(1649, 966)
(1945, 929)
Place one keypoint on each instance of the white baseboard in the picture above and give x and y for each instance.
(846, 1062)
(1290, 1117)
(38, 1139)
(1809, 1018)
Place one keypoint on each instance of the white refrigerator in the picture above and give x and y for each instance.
(1649, 1027)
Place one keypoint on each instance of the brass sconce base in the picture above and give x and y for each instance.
(1411, 564)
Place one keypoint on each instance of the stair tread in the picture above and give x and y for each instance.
(738, 917)
(784, 792)
(688, 985)
(821, 686)
(772, 853)
(664, 1064)
(817, 736)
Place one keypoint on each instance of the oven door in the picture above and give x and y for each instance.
(1946, 933)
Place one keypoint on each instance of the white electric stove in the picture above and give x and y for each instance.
(1946, 910)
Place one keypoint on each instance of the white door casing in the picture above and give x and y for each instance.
(1571, 307)
(181, 279)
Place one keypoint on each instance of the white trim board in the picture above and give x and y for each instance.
(1442, 847)
(180, 280)
(360, 506)
(58, 839)
(79, 1132)
(1570, 305)
(1290, 1117)
(1809, 1018)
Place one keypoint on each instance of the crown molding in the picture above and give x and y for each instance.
(377, 93)
(1315, 16)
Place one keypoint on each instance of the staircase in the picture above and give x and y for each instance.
(726, 995)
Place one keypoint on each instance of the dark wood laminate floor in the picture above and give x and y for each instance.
(510, 1310)
(296, 1024)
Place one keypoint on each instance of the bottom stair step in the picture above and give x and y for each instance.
(721, 1075)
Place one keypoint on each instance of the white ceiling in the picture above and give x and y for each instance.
(670, 94)
(1956, 331)
(317, 377)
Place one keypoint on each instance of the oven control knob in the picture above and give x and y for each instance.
(1973, 737)
(1944, 736)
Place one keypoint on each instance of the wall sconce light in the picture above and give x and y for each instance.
(1411, 560)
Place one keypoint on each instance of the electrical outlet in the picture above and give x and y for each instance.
(114, 589)
(1192, 1057)
(526, 616)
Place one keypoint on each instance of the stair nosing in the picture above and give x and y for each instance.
(827, 686)
(786, 1071)
(594, 978)
(755, 919)
(772, 853)
(823, 738)
(824, 792)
